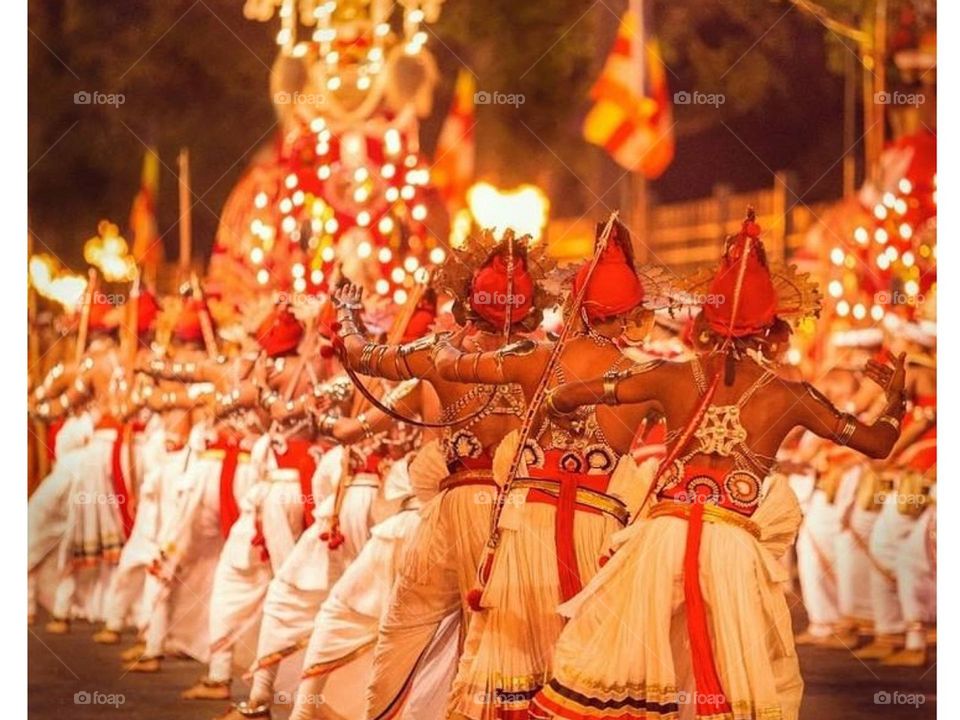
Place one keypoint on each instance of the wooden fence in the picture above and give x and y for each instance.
(686, 235)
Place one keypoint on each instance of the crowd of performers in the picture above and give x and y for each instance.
(469, 512)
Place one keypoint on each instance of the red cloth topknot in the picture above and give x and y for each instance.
(147, 310)
(742, 298)
(491, 287)
(188, 327)
(280, 333)
(614, 287)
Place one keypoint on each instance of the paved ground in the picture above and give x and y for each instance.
(71, 677)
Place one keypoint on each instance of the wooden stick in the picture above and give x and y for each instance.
(84, 328)
(186, 236)
(537, 400)
(206, 324)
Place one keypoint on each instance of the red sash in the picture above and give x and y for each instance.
(119, 482)
(568, 570)
(298, 457)
(229, 508)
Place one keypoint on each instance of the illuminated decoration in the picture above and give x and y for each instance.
(108, 252)
(64, 288)
(525, 209)
(889, 263)
(345, 184)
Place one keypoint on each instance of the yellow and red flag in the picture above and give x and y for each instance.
(147, 248)
(632, 118)
(453, 169)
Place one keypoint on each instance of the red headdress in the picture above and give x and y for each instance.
(188, 327)
(147, 310)
(493, 291)
(614, 287)
(422, 319)
(744, 296)
(493, 280)
(103, 317)
(280, 333)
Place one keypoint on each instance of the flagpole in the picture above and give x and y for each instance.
(638, 182)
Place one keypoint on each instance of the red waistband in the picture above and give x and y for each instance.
(734, 490)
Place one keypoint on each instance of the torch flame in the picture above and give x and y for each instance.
(108, 252)
(524, 209)
(64, 288)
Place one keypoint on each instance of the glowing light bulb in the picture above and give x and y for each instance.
(384, 255)
(256, 255)
(388, 170)
(908, 259)
(905, 186)
(437, 255)
(364, 250)
(881, 236)
(391, 141)
(327, 254)
(876, 312)
(260, 201)
(331, 225)
(859, 311)
(419, 212)
(263, 276)
(386, 224)
(400, 296)
(323, 172)
(397, 275)
(382, 286)
(392, 194)
(299, 285)
(290, 181)
(861, 235)
(363, 218)
(836, 256)
(843, 308)
(297, 270)
(316, 276)
(835, 288)
(333, 83)
(906, 231)
(880, 212)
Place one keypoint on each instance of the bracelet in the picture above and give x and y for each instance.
(348, 327)
(610, 382)
(889, 420)
(379, 359)
(326, 425)
(456, 368)
(365, 356)
(367, 430)
(846, 432)
(476, 365)
(548, 400)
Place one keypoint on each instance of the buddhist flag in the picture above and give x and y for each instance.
(147, 248)
(453, 168)
(631, 117)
